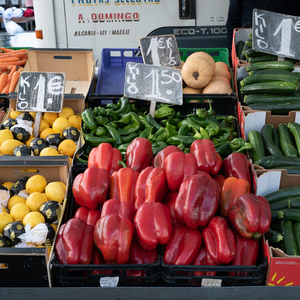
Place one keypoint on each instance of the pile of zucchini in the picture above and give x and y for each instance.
(276, 148)
(284, 232)
(270, 84)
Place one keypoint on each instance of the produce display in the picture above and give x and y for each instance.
(276, 148)
(58, 134)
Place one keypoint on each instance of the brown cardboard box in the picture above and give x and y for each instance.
(29, 267)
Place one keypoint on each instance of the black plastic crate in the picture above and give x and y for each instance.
(183, 276)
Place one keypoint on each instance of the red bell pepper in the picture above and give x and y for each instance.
(197, 201)
(139, 154)
(170, 200)
(122, 185)
(158, 160)
(99, 260)
(74, 243)
(105, 156)
(115, 206)
(204, 259)
(90, 188)
(219, 241)
(203, 173)
(251, 216)
(89, 216)
(220, 178)
(208, 159)
(153, 225)
(246, 251)
(232, 189)
(151, 186)
(182, 246)
(138, 255)
(113, 235)
(237, 165)
(179, 167)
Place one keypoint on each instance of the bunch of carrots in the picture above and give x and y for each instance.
(12, 63)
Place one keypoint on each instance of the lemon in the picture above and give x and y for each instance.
(60, 124)
(15, 200)
(36, 183)
(8, 184)
(19, 211)
(49, 151)
(13, 113)
(63, 185)
(43, 125)
(75, 121)
(8, 146)
(50, 117)
(29, 140)
(5, 219)
(3, 209)
(33, 218)
(46, 132)
(5, 134)
(55, 191)
(35, 200)
(67, 147)
(66, 112)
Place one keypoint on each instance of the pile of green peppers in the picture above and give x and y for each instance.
(119, 123)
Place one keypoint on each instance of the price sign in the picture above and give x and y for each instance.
(154, 83)
(276, 34)
(161, 50)
(41, 92)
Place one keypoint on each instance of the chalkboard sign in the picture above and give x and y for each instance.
(154, 83)
(276, 34)
(41, 92)
(160, 50)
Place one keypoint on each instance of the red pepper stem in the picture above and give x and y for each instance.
(120, 162)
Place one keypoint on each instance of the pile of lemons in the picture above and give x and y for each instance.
(25, 206)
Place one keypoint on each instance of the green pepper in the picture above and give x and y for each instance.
(99, 111)
(100, 120)
(184, 129)
(125, 106)
(187, 140)
(100, 131)
(115, 134)
(158, 146)
(171, 130)
(144, 121)
(237, 143)
(210, 111)
(211, 127)
(172, 121)
(123, 147)
(112, 115)
(159, 131)
(224, 134)
(174, 140)
(224, 149)
(88, 119)
(164, 111)
(133, 121)
(113, 106)
(145, 133)
(130, 137)
(203, 134)
(113, 124)
(134, 108)
(201, 113)
(162, 137)
(152, 121)
(97, 140)
(245, 147)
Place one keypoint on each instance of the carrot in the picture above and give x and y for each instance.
(12, 70)
(20, 69)
(21, 62)
(6, 50)
(3, 80)
(14, 80)
(14, 54)
(9, 59)
(6, 88)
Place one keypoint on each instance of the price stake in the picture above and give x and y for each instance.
(160, 50)
(276, 34)
(154, 83)
(40, 92)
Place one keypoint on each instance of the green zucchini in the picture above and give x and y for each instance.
(286, 203)
(273, 99)
(289, 241)
(290, 169)
(267, 136)
(281, 108)
(275, 135)
(292, 214)
(253, 53)
(272, 88)
(239, 48)
(273, 72)
(297, 234)
(261, 58)
(273, 236)
(295, 130)
(285, 65)
(274, 215)
(268, 78)
(243, 57)
(284, 193)
(256, 140)
(287, 141)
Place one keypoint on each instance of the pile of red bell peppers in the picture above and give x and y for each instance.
(199, 207)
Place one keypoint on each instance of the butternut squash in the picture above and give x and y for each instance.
(217, 87)
(221, 78)
(205, 55)
(189, 90)
(220, 70)
(197, 72)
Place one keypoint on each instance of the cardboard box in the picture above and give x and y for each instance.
(29, 267)
(283, 269)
